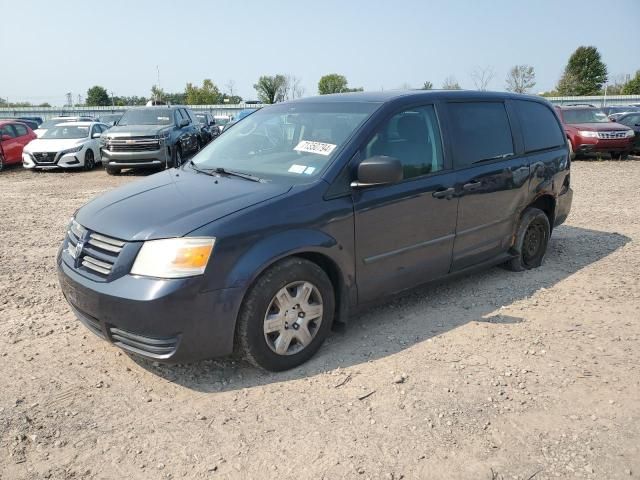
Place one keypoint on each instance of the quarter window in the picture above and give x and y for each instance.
(413, 137)
(540, 129)
(481, 131)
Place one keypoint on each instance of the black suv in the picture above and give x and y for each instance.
(307, 210)
(159, 136)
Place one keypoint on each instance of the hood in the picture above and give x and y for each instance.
(600, 127)
(171, 203)
(52, 144)
(136, 130)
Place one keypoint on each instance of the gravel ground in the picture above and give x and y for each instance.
(495, 376)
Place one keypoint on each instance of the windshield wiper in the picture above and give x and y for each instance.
(224, 171)
(497, 157)
(246, 176)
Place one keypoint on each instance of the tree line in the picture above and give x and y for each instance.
(584, 74)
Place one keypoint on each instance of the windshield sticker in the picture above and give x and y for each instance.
(309, 170)
(315, 147)
(297, 168)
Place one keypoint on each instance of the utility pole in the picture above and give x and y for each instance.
(158, 71)
(69, 99)
(113, 102)
(79, 100)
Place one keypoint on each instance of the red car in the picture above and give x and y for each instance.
(13, 137)
(589, 130)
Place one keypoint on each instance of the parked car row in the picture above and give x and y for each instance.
(159, 136)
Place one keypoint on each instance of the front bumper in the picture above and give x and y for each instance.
(68, 160)
(153, 158)
(595, 145)
(165, 320)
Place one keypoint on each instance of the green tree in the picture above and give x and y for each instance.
(632, 87)
(585, 73)
(271, 89)
(332, 83)
(427, 86)
(521, 78)
(157, 93)
(208, 94)
(97, 96)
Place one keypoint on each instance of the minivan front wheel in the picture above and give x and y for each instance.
(531, 241)
(286, 315)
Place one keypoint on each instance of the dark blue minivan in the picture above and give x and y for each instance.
(308, 209)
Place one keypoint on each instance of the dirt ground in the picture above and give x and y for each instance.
(495, 376)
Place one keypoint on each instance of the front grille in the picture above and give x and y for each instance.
(612, 134)
(98, 253)
(45, 157)
(149, 346)
(132, 144)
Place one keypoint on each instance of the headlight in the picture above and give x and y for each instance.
(72, 150)
(173, 257)
(629, 133)
(586, 134)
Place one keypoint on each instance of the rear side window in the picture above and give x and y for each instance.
(481, 131)
(540, 129)
(21, 130)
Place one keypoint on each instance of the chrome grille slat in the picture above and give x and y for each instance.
(98, 254)
(612, 134)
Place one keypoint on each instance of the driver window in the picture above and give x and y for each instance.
(413, 137)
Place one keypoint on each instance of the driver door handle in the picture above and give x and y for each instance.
(472, 185)
(444, 193)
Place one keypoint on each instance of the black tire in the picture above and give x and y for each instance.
(113, 170)
(89, 160)
(532, 238)
(251, 339)
(619, 155)
(177, 157)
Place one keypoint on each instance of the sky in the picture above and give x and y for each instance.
(50, 48)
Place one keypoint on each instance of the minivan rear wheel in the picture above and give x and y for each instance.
(286, 315)
(531, 241)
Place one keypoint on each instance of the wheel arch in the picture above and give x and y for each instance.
(546, 203)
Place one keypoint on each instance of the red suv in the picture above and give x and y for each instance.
(589, 130)
(13, 137)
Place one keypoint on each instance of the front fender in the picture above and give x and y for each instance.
(284, 244)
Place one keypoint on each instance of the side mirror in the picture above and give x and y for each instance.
(4, 138)
(378, 170)
(183, 123)
(96, 135)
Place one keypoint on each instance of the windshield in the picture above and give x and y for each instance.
(222, 120)
(67, 132)
(586, 115)
(147, 116)
(51, 123)
(288, 142)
